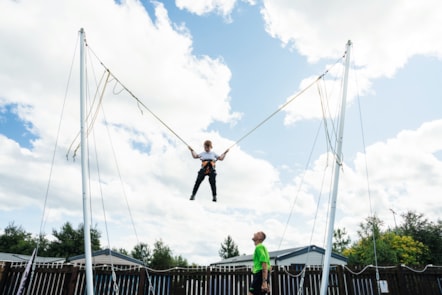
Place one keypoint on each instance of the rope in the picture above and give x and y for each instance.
(328, 140)
(114, 278)
(420, 271)
(275, 112)
(94, 117)
(369, 191)
(300, 186)
(140, 103)
(136, 98)
(285, 104)
(43, 217)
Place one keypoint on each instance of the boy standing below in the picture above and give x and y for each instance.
(261, 266)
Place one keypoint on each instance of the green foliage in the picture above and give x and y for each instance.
(341, 240)
(43, 245)
(70, 242)
(142, 252)
(391, 248)
(228, 248)
(122, 251)
(162, 256)
(416, 241)
(426, 232)
(179, 261)
(16, 240)
(408, 250)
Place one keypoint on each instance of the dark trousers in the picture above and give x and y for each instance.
(255, 287)
(212, 180)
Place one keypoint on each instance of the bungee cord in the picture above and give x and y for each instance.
(109, 77)
(140, 103)
(94, 115)
(328, 140)
(44, 212)
(282, 106)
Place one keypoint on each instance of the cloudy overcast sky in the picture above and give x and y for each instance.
(215, 70)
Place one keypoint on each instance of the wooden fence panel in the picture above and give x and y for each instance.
(57, 279)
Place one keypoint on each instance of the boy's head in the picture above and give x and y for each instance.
(208, 144)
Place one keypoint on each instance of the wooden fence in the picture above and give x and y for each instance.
(65, 279)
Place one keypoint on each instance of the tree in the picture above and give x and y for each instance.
(388, 248)
(70, 242)
(162, 256)
(179, 261)
(427, 232)
(43, 245)
(16, 240)
(341, 240)
(408, 251)
(142, 252)
(372, 226)
(228, 248)
(122, 251)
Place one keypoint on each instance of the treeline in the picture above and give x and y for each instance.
(415, 241)
(69, 242)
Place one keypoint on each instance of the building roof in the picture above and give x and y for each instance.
(280, 255)
(11, 257)
(106, 256)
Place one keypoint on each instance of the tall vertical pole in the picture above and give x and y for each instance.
(331, 223)
(84, 172)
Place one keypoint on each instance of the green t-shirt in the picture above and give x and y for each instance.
(259, 256)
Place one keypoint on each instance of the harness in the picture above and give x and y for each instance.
(208, 166)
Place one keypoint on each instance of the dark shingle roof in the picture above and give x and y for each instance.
(104, 254)
(282, 254)
(11, 257)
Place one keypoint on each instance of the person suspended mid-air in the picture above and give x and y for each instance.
(208, 160)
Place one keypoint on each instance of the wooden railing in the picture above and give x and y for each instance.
(66, 279)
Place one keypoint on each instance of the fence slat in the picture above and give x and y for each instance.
(55, 279)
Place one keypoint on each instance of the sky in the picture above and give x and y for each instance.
(219, 70)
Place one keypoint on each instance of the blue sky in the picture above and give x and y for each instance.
(214, 70)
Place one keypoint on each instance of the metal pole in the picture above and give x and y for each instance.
(331, 223)
(84, 173)
(394, 217)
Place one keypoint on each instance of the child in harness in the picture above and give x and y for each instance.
(208, 161)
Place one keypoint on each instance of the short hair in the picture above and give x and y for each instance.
(263, 235)
(208, 143)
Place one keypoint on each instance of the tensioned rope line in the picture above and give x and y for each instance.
(99, 105)
(94, 116)
(328, 140)
(114, 280)
(137, 99)
(241, 138)
(286, 103)
(369, 192)
(44, 216)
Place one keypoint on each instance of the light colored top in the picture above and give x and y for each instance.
(204, 156)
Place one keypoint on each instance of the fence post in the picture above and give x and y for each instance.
(341, 282)
(273, 279)
(71, 278)
(4, 274)
(142, 285)
(402, 286)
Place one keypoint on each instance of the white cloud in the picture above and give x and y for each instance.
(385, 36)
(201, 7)
(146, 172)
